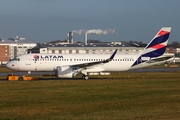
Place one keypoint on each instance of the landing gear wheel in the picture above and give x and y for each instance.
(85, 77)
(20, 78)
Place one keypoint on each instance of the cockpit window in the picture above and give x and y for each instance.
(16, 59)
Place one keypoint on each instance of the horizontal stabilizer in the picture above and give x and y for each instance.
(160, 59)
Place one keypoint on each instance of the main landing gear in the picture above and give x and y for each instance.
(85, 77)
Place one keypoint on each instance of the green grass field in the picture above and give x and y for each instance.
(120, 96)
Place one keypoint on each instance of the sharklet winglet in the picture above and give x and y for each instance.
(112, 56)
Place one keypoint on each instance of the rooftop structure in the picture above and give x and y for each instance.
(90, 48)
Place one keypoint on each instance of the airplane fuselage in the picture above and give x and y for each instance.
(49, 62)
(69, 65)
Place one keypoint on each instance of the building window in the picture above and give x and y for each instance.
(77, 51)
(53, 51)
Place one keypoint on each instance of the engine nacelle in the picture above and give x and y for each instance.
(64, 72)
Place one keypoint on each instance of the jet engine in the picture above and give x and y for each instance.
(65, 72)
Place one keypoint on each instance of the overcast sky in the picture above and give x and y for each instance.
(124, 20)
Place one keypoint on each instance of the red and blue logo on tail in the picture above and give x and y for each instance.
(156, 47)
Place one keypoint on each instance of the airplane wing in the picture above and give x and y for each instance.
(84, 65)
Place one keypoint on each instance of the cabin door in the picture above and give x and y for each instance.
(28, 59)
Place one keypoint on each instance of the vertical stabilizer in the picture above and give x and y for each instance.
(156, 47)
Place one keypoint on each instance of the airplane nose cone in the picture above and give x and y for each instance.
(9, 65)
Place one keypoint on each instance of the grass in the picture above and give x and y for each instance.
(122, 96)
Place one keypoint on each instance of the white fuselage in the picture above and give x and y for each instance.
(49, 62)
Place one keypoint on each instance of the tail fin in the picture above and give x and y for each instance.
(157, 45)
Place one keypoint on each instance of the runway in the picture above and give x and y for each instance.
(25, 73)
(168, 69)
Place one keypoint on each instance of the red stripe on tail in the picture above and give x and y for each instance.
(159, 46)
(162, 32)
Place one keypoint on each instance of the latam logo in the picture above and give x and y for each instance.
(36, 56)
(48, 56)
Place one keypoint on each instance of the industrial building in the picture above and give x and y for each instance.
(80, 48)
(84, 48)
(13, 47)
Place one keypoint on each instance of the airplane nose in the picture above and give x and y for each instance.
(8, 65)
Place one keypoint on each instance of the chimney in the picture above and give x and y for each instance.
(70, 37)
(85, 38)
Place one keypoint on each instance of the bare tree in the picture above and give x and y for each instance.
(175, 44)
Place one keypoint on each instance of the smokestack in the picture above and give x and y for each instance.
(94, 31)
(70, 37)
(85, 38)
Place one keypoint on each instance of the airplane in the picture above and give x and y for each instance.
(69, 65)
